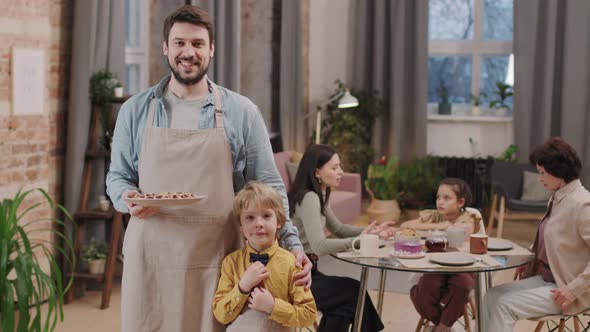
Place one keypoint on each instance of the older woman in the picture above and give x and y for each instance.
(558, 280)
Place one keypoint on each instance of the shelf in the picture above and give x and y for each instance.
(468, 118)
(100, 154)
(93, 215)
(88, 276)
(120, 100)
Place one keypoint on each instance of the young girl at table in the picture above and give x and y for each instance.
(441, 298)
(318, 173)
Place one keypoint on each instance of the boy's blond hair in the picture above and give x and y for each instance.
(261, 195)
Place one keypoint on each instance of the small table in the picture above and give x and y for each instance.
(505, 260)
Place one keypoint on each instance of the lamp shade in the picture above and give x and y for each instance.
(347, 100)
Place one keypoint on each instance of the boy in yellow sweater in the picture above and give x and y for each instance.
(261, 274)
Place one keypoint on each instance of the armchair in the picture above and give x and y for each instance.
(507, 183)
(345, 201)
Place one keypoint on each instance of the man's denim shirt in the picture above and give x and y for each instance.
(246, 133)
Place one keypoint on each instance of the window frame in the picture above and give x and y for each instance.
(139, 55)
(476, 48)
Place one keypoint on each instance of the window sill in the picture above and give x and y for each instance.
(467, 118)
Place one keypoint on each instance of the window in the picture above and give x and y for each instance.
(470, 46)
(136, 45)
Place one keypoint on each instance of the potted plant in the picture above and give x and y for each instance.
(381, 184)
(29, 271)
(509, 155)
(502, 93)
(418, 183)
(95, 253)
(349, 130)
(444, 106)
(102, 92)
(118, 90)
(476, 103)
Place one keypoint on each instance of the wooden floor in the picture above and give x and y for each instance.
(398, 313)
(84, 314)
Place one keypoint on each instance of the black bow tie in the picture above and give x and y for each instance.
(262, 258)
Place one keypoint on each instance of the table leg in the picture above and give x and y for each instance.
(360, 304)
(480, 288)
(488, 280)
(381, 291)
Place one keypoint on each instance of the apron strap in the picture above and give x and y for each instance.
(218, 106)
(150, 119)
(218, 109)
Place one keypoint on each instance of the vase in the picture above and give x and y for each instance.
(119, 92)
(383, 210)
(476, 111)
(96, 266)
(444, 108)
(501, 111)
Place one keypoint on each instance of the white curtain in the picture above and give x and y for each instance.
(98, 43)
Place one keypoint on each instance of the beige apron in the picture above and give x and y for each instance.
(173, 259)
(255, 321)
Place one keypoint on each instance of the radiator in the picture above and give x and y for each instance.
(475, 171)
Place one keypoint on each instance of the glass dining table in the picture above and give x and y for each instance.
(494, 261)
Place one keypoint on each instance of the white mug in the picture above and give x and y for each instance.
(455, 236)
(369, 244)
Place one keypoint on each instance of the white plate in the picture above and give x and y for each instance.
(451, 259)
(405, 255)
(164, 202)
(496, 244)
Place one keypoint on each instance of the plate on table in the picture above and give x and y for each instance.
(496, 244)
(451, 259)
(164, 199)
(407, 255)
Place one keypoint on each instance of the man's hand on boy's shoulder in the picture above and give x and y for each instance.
(303, 277)
(253, 276)
(262, 300)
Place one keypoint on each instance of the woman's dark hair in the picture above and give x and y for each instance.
(316, 156)
(189, 14)
(558, 158)
(460, 188)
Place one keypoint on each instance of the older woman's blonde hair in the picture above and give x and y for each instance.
(261, 195)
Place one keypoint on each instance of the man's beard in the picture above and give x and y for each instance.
(188, 80)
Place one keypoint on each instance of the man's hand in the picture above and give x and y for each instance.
(253, 276)
(141, 212)
(563, 297)
(302, 277)
(262, 300)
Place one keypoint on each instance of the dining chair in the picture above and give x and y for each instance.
(468, 315)
(507, 201)
(557, 322)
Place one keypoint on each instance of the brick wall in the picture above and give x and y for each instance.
(32, 147)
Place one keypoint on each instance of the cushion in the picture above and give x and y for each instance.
(296, 156)
(532, 189)
(281, 159)
(292, 170)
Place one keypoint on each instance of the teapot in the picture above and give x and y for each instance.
(437, 241)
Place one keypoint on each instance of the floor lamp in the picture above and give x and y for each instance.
(345, 100)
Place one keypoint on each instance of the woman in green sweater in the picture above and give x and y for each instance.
(336, 297)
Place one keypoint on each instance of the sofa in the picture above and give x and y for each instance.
(345, 200)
